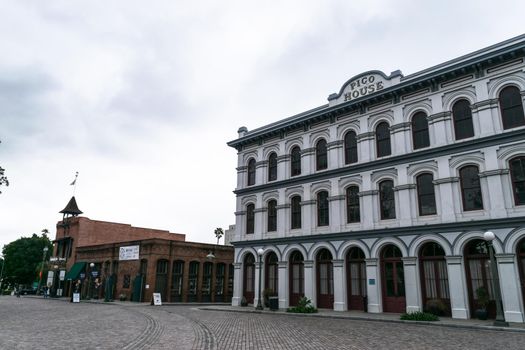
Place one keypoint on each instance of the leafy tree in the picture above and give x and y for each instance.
(218, 233)
(23, 258)
(3, 178)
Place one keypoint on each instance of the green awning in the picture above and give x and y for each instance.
(75, 270)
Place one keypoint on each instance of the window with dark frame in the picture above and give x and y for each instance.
(426, 197)
(420, 136)
(126, 282)
(295, 161)
(272, 215)
(322, 209)
(517, 173)
(193, 278)
(350, 148)
(321, 155)
(177, 277)
(470, 188)
(511, 107)
(206, 278)
(387, 200)
(272, 167)
(250, 218)
(462, 116)
(383, 140)
(352, 204)
(296, 212)
(272, 275)
(219, 278)
(251, 172)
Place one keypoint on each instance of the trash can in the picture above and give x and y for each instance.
(274, 303)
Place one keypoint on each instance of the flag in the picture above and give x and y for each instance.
(74, 181)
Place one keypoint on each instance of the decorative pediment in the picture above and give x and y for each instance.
(364, 84)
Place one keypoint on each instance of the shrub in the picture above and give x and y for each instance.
(419, 316)
(305, 307)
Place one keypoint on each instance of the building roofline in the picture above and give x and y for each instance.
(472, 62)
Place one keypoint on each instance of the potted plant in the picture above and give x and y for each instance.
(122, 297)
(244, 302)
(436, 307)
(483, 301)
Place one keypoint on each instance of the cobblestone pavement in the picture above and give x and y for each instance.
(33, 323)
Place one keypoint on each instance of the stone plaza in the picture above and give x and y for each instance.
(32, 322)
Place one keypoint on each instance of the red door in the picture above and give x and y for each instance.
(325, 280)
(249, 278)
(356, 279)
(296, 278)
(393, 280)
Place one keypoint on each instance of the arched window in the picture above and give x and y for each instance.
(511, 107)
(251, 172)
(356, 279)
(177, 280)
(296, 161)
(206, 291)
(272, 167)
(321, 155)
(352, 204)
(462, 115)
(250, 218)
(272, 215)
(383, 140)
(193, 281)
(296, 212)
(434, 276)
(350, 148)
(420, 136)
(220, 272)
(249, 278)
(325, 279)
(517, 172)
(387, 200)
(296, 277)
(470, 188)
(322, 209)
(426, 197)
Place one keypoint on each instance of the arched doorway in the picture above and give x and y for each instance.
(477, 265)
(434, 277)
(161, 278)
(249, 278)
(356, 279)
(393, 277)
(296, 277)
(325, 280)
(271, 278)
(520, 253)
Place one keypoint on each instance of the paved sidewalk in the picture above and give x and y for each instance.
(380, 317)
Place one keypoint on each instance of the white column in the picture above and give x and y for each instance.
(413, 301)
(373, 287)
(510, 292)
(259, 216)
(237, 284)
(283, 285)
(339, 286)
(457, 287)
(309, 281)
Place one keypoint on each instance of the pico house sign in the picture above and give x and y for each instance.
(129, 253)
(364, 84)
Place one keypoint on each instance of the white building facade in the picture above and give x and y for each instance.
(378, 200)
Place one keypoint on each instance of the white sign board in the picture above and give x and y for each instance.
(129, 253)
(157, 299)
(76, 297)
(62, 274)
(50, 275)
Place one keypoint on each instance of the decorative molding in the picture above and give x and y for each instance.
(260, 210)
(438, 117)
(453, 259)
(283, 206)
(405, 126)
(368, 193)
(308, 151)
(365, 136)
(310, 202)
(409, 260)
(240, 213)
(494, 172)
(445, 180)
(336, 198)
(506, 258)
(404, 187)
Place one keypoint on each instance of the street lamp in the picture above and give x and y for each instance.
(260, 252)
(91, 266)
(42, 267)
(489, 236)
(210, 256)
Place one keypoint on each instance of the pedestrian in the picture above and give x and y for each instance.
(45, 292)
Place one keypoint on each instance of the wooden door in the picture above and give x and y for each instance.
(296, 278)
(325, 280)
(393, 280)
(434, 277)
(249, 278)
(356, 279)
(479, 275)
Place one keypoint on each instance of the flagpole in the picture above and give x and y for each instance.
(74, 183)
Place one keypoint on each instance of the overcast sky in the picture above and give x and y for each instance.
(140, 97)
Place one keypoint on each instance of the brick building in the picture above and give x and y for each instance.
(110, 259)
